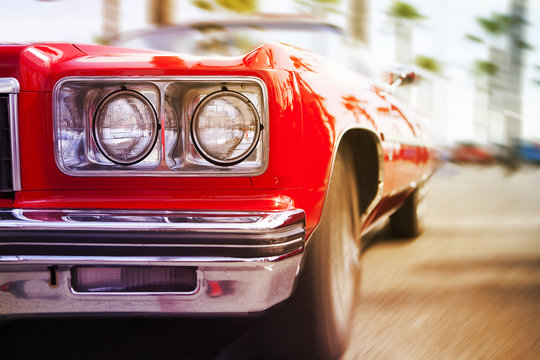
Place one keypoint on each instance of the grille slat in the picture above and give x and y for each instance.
(6, 178)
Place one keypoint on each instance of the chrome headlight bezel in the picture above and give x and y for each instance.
(75, 101)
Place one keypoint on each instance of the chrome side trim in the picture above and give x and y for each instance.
(15, 152)
(9, 86)
(410, 186)
(405, 140)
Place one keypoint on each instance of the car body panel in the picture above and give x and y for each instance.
(312, 103)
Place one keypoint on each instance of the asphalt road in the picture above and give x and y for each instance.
(468, 288)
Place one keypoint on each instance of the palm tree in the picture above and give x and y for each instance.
(236, 6)
(161, 12)
(319, 8)
(502, 73)
(404, 16)
(537, 81)
(359, 20)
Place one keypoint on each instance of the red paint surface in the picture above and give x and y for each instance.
(311, 103)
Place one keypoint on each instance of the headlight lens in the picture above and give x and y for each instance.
(225, 127)
(125, 127)
(141, 126)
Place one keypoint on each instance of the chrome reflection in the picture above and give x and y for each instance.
(75, 219)
(225, 285)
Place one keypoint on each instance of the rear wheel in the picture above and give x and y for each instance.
(320, 312)
(407, 221)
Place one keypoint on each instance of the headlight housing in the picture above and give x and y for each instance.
(124, 126)
(225, 127)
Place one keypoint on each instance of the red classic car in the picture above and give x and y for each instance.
(150, 182)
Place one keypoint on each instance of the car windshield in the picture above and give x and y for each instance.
(237, 39)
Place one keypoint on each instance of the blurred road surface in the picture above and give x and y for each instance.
(468, 288)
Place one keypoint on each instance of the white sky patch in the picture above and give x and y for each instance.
(441, 36)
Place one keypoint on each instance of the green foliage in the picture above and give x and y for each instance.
(321, 6)
(474, 38)
(404, 11)
(203, 4)
(98, 39)
(509, 20)
(496, 25)
(524, 45)
(239, 6)
(327, 2)
(536, 81)
(499, 24)
(492, 26)
(485, 67)
(428, 63)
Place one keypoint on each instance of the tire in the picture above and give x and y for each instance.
(407, 221)
(317, 319)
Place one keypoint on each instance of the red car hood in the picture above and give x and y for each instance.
(38, 67)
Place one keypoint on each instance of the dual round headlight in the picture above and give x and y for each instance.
(225, 128)
(125, 127)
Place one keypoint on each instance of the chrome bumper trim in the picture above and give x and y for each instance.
(225, 285)
(150, 233)
(298, 241)
(245, 262)
(156, 220)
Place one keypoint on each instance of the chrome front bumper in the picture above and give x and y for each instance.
(245, 262)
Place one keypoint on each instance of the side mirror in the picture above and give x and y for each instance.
(399, 75)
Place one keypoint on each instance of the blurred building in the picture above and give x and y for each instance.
(449, 99)
(515, 51)
(503, 122)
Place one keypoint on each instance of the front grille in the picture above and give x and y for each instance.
(6, 178)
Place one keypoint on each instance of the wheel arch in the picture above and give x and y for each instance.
(368, 160)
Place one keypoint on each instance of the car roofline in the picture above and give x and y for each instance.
(260, 20)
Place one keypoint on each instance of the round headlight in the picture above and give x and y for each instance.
(125, 127)
(225, 127)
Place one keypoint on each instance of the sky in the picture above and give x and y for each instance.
(440, 35)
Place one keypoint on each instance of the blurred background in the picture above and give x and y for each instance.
(477, 61)
(469, 286)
